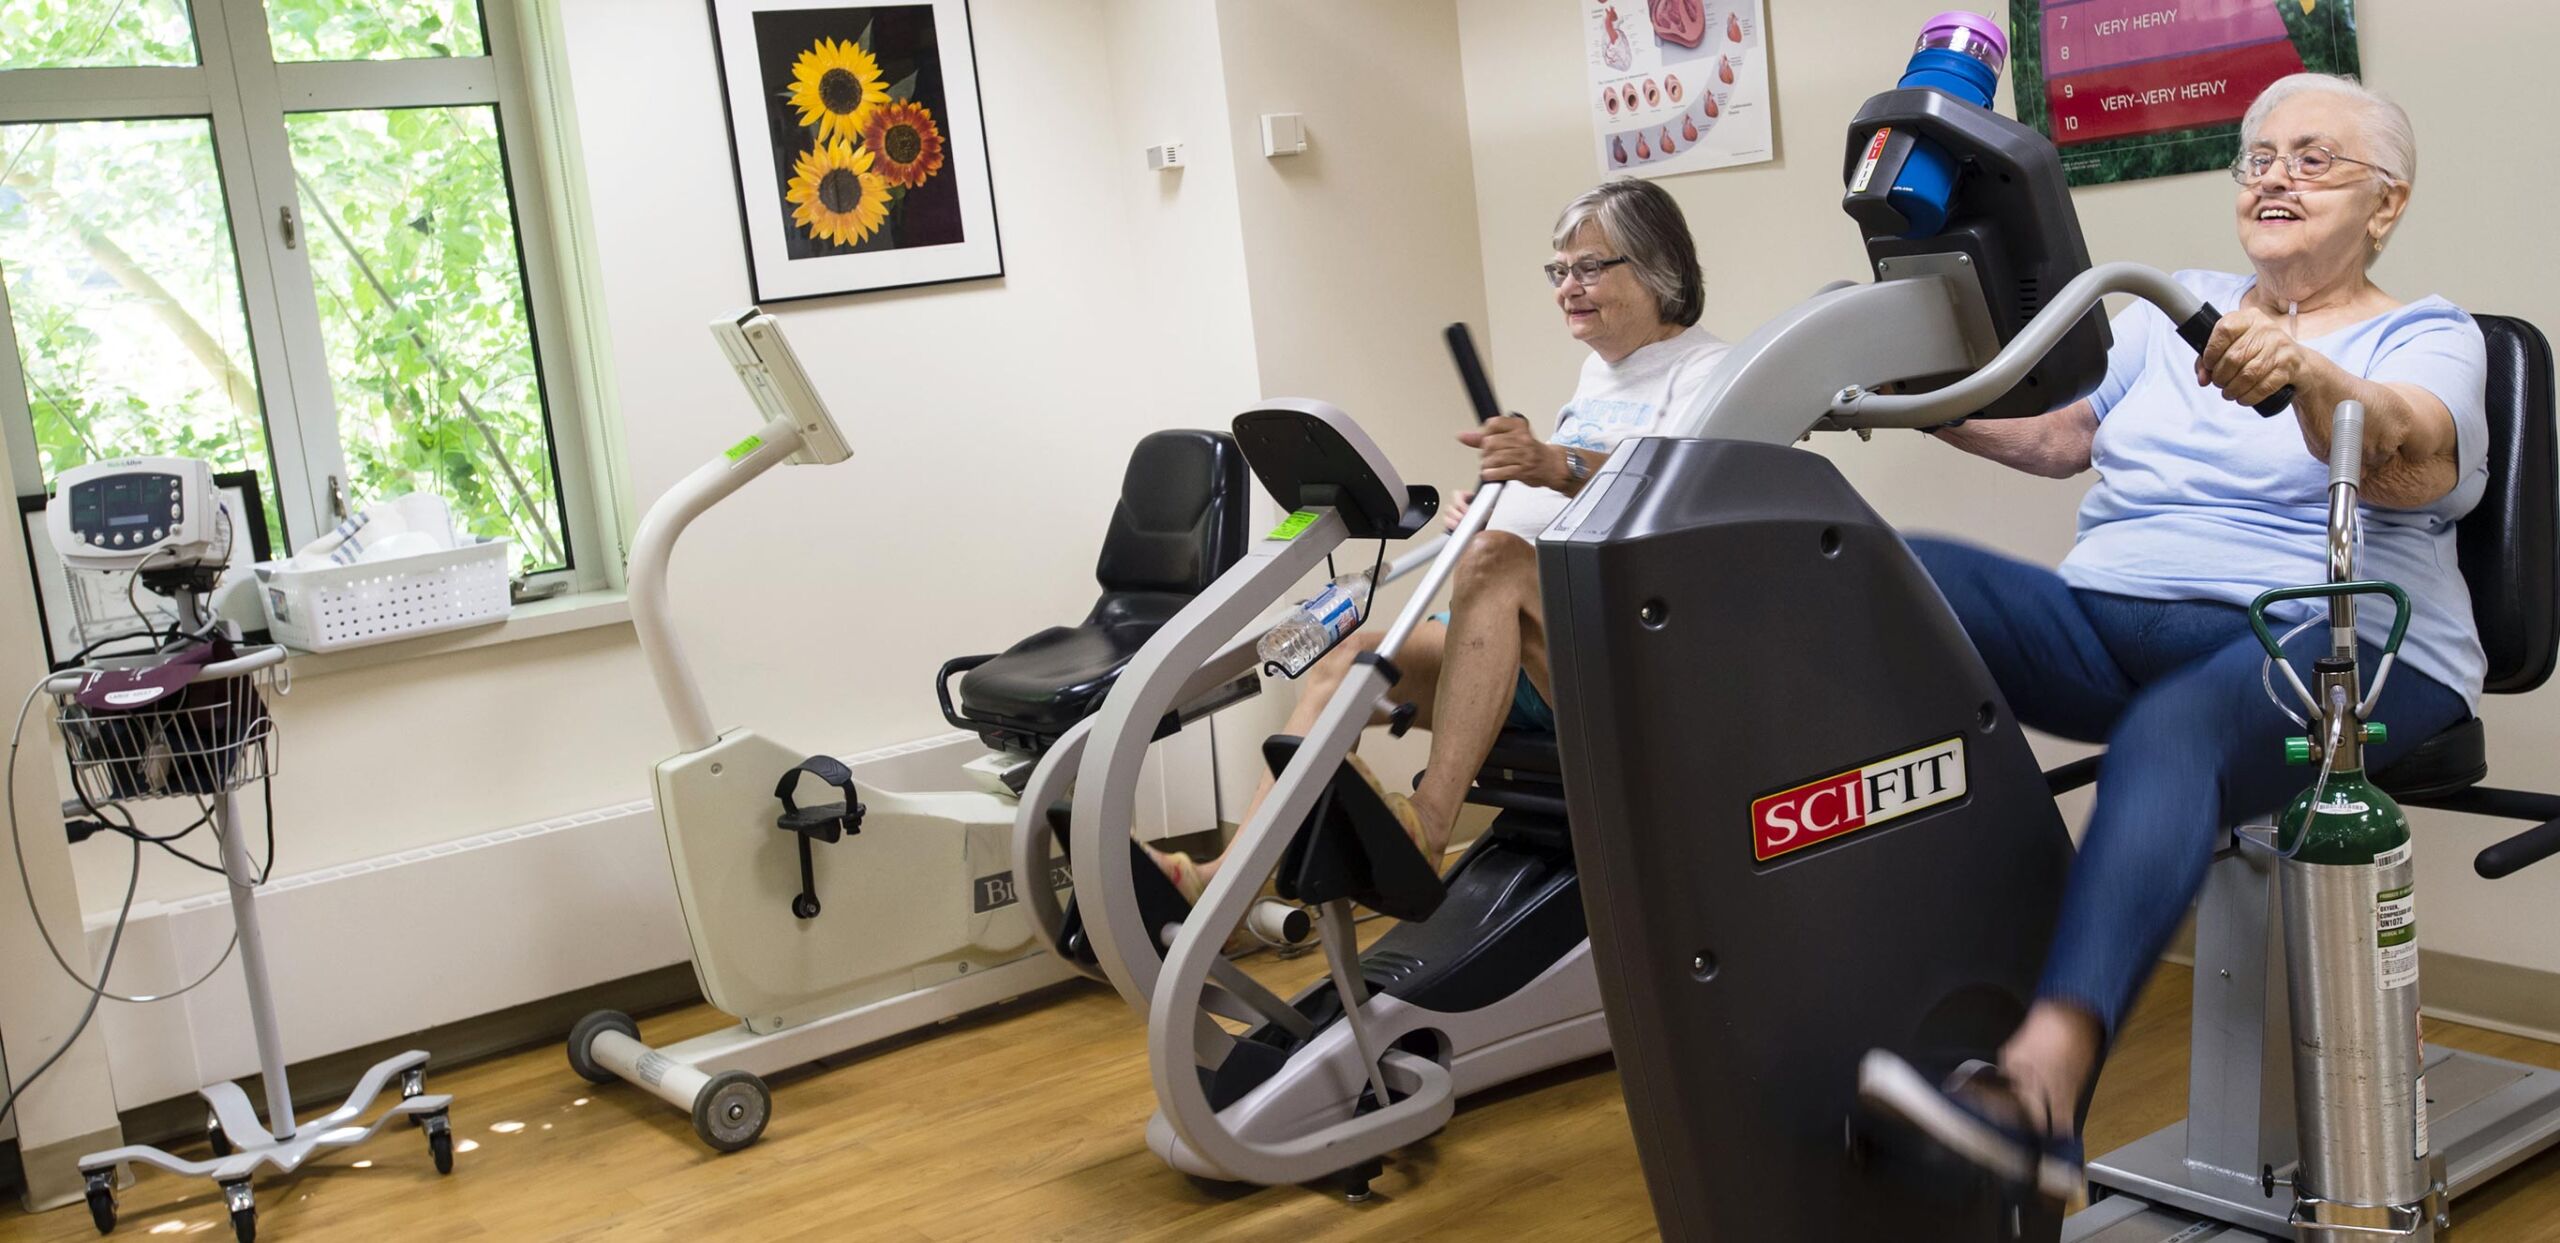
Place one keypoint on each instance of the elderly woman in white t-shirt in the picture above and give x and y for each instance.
(1627, 282)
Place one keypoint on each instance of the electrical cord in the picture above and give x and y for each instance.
(26, 884)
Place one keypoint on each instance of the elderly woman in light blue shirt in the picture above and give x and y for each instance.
(2141, 640)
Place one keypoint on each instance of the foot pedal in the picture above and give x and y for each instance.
(1159, 903)
(819, 822)
(1352, 847)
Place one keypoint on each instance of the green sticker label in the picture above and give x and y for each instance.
(745, 447)
(1290, 526)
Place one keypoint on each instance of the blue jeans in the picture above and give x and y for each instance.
(2193, 744)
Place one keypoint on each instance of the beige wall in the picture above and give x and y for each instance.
(1359, 251)
(1770, 234)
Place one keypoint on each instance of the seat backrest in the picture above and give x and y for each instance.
(1181, 518)
(2510, 543)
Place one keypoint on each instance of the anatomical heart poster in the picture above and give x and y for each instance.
(1678, 86)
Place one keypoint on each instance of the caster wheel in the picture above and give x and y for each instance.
(439, 1140)
(582, 1042)
(244, 1212)
(217, 1137)
(731, 1110)
(804, 906)
(102, 1200)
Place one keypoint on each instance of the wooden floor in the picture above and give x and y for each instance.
(1027, 1124)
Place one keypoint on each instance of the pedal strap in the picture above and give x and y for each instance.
(826, 822)
(822, 822)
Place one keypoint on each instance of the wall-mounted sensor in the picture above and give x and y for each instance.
(1165, 157)
(1283, 133)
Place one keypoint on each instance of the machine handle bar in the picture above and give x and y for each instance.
(2361, 587)
(2197, 331)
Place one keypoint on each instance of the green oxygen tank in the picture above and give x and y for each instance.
(2350, 925)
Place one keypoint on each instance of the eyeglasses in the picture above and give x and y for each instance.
(2307, 165)
(1584, 270)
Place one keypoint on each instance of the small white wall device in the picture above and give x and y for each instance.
(1283, 133)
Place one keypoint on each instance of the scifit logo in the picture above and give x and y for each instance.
(1843, 803)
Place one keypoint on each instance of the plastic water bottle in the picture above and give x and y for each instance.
(1960, 54)
(1314, 627)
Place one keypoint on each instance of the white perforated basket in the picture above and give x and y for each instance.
(341, 606)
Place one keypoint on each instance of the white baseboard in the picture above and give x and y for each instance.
(372, 950)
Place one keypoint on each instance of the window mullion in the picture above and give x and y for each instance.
(550, 277)
(332, 86)
(17, 412)
(302, 422)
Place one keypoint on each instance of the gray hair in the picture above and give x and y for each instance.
(2386, 124)
(1644, 223)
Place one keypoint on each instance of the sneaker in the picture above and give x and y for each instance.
(1976, 1117)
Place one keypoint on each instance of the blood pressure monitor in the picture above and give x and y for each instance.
(126, 512)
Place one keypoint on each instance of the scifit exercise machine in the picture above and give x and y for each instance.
(1791, 861)
(1487, 977)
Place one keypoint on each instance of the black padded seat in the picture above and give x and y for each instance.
(2509, 545)
(2444, 765)
(1524, 772)
(1180, 524)
(1045, 684)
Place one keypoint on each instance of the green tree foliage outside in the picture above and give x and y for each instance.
(414, 254)
(125, 297)
(81, 34)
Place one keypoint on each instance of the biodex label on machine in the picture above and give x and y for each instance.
(1863, 797)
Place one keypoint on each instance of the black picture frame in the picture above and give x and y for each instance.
(748, 52)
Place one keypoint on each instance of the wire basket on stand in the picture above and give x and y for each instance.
(215, 737)
(207, 740)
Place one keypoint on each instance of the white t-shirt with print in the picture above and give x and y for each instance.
(1631, 397)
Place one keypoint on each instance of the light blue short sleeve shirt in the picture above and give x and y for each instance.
(2198, 498)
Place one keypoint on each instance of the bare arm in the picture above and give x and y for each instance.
(2054, 445)
(2409, 439)
(1509, 450)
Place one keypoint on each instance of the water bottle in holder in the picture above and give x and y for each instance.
(1313, 628)
(1959, 54)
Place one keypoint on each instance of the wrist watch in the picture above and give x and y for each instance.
(1575, 468)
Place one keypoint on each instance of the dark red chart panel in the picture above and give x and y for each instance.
(2179, 92)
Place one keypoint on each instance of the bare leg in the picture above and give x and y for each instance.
(1496, 624)
(1418, 661)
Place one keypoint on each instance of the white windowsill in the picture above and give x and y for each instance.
(562, 614)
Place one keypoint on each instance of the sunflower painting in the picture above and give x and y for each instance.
(859, 147)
